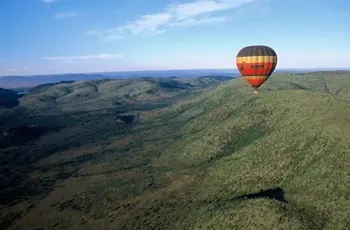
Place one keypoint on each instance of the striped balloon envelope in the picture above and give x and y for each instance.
(256, 64)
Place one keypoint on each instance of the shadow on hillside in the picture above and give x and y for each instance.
(17, 186)
(241, 140)
(23, 134)
(9, 98)
(11, 103)
(297, 86)
(127, 119)
(274, 194)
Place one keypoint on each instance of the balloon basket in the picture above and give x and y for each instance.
(255, 91)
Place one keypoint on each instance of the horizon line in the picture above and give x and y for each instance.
(159, 70)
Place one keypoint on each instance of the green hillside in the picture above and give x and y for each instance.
(198, 154)
(109, 93)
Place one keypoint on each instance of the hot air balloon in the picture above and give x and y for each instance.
(256, 64)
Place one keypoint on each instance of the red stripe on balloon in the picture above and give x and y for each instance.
(252, 69)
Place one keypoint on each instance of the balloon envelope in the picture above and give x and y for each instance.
(256, 64)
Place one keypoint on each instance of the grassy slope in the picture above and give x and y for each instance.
(180, 167)
(85, 113)
(104, 94)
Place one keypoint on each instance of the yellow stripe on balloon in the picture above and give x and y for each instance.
(255, 77)
(256, 59)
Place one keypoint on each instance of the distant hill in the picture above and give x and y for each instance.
(109, 93)
(31, 81)
(179, 153)
(43, 87)
(12, 82)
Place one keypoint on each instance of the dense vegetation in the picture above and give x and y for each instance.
(197, 153)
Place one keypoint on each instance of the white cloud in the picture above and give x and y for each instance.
(147, 24)
(185, 14)
(19, 70)
(84, 57)
(257, 9)
(48, 1)
(112, 37)
(193, 9)
(66, 15)
(194, 22)
(16, 70)
(106, 35)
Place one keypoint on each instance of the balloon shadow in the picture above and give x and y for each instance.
(274, 194)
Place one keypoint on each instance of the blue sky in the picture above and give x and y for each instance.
(66, 36)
